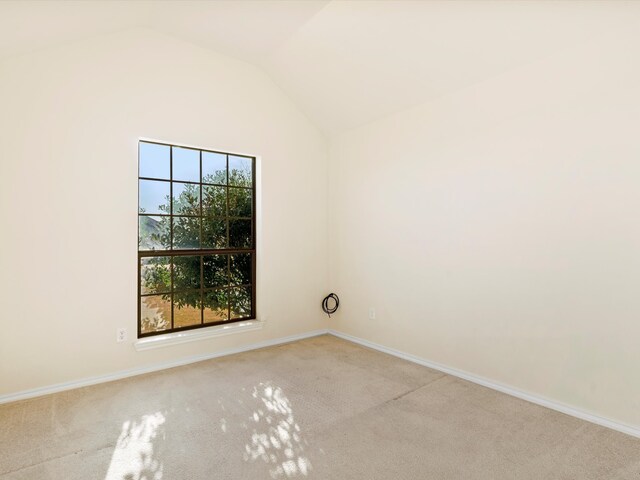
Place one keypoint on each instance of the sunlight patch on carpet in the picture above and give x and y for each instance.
(276, 438)
(133, 457)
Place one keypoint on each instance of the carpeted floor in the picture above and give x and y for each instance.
(321, 408)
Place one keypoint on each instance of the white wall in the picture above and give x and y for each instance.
(70, 119)
(496, 230)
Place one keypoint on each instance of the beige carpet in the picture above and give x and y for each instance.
(320, 408)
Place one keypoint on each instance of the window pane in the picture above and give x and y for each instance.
(186, 232)
(239, 233)
(240, 269)
(216, 306)
(215, 271)
(186, 164)
(240, 171)
(153, 233)
(154, 161)
(240, 202)
(155, 313)
(214, 168)
(186, 272)
(186, 309)
(214, 233)
(153, 196)
(214, 201)
(155, 275)
(240, 302)
(186, 199)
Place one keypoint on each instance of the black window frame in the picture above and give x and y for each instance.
(172, 252)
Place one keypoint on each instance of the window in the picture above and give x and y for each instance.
(196, 238)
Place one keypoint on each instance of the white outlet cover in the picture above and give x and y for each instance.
(372, 313)
(121, 335)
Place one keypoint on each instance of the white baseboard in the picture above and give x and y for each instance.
(560, 407)
(85, 382)
(514, 392)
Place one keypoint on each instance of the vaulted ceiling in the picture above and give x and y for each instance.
(345, 63)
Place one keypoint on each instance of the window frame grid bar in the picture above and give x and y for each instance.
(194, 290)
(191, 182)
(228, 240)
(193, 251)
(201, 256)
(215, 217)
(170, 226)
(253, 237)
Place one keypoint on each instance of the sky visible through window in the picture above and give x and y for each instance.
(155, 160)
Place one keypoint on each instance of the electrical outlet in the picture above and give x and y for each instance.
(372, 313)
(121, 335)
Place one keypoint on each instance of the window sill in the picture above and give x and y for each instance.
(177, 338)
